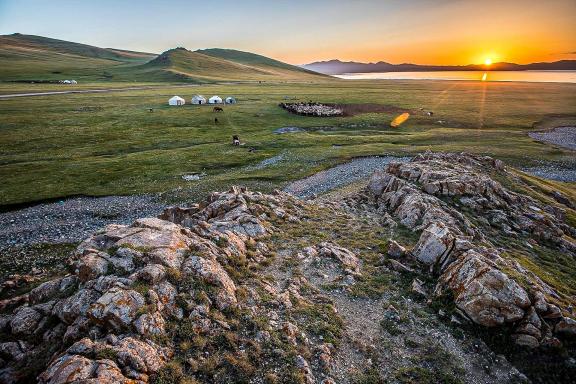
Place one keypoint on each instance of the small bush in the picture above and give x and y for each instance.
(171, 373)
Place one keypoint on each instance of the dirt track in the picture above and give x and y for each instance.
(89, 91)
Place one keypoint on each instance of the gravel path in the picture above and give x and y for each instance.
(553, 172)
(104, 90)
(340, 175)
(72, 220)
(561, 136)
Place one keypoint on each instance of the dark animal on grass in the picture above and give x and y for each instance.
(218, 109)
(150, 110)
(235, 140)
(430, 113)
(215, 120)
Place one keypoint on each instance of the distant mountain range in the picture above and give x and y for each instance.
(40, 59)
(337, 67)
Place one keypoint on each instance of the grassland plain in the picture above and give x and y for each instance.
(109, 143)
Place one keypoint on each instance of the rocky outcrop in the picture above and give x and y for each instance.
(486, 294)
(129, 360)
(128, 283)
(427, 195)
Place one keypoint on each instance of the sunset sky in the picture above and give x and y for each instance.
(298, 31)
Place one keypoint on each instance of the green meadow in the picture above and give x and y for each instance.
(109, 143)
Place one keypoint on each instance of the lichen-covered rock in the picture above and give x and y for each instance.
(349, 261)
(212, 273)
(130, 360)
(435, 243)
(145, 357)
(52, 288)
(152, 273)
(68, 369)
(487, 295)
(150, 324)
(70, 308)
(117, 308)
(427, 194)
(91, 265)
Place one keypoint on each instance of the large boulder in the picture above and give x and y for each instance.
(486, 294)
(141, 356)
(131, 361)
(435, 244)
(68, 369)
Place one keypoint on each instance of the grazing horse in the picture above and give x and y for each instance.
(235, 140)
(218, 109)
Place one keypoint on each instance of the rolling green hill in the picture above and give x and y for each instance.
(29, 57)
(36, 58)
(252, 59)
(180, 64)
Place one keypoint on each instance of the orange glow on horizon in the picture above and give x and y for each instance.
(458, 33)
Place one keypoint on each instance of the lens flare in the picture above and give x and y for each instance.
(399, 120)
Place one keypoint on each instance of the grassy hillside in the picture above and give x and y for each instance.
(252, 59)
(28, 57)
(33, 42)
(108, 143)
(36, 58)
(182, 65)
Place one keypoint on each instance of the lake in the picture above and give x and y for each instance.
(524, 76)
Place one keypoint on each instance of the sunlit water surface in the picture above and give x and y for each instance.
(525, 76)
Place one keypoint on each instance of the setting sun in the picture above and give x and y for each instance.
(488, 61)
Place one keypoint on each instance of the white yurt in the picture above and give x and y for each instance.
(215, 100)
(230, 100)
(198, 99)
(176, 100)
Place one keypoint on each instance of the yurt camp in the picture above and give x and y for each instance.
(176, 100)
(215, 100)
(230, 100)
(198, 99)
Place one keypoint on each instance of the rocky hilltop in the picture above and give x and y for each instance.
(450, 268)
